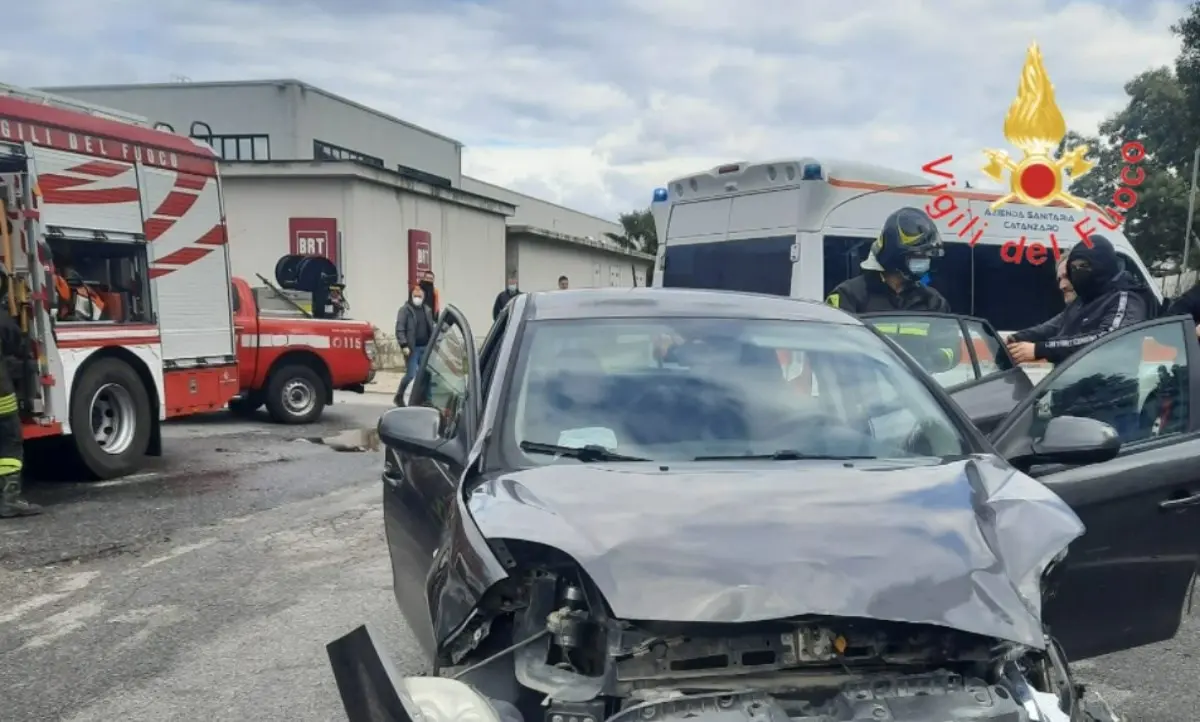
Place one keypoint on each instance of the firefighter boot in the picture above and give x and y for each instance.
(11, 503)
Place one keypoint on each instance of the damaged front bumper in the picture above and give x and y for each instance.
(372, 691)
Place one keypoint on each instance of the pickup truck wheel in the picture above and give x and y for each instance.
(295, 395)
(110, 419)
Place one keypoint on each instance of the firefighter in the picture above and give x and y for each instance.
(891, 281)
(12, 344)
(891, 275)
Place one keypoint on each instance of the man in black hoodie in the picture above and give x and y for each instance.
(1108, 299)
(1047, 329)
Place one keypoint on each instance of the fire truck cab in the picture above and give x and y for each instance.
(116, 251)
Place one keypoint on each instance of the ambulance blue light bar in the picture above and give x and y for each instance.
(811, 171)
(660, 195)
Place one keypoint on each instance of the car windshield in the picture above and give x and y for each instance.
(673, 389)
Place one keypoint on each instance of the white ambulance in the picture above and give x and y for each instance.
(800, 227)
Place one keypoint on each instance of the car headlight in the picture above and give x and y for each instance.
(437, 699)
(369, 347)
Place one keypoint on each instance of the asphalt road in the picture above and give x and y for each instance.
(207, 588)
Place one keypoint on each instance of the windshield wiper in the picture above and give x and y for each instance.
(587, 454)
(782, 455)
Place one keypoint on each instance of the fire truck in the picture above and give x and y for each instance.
(115, 251)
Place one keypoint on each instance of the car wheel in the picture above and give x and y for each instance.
(295, 395)
(110, 418)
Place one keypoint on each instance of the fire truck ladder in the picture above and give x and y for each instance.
(27, 282)
(58, 101)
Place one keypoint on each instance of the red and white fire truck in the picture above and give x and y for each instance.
(126, 221)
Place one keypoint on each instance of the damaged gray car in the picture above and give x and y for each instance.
(636, 504)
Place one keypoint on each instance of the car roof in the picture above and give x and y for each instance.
(645, 302)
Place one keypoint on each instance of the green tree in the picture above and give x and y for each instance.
(1156, 116)
(637, 232)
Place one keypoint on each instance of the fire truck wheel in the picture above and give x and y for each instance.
(110, 418)
(295, 395)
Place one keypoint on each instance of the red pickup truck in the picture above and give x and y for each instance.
(292, 362)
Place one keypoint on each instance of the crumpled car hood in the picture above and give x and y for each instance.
(962, 544)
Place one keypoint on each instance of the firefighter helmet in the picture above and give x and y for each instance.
(908, 235)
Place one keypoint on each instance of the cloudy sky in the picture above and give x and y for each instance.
(594, 103)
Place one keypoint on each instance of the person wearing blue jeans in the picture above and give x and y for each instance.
(414, 326)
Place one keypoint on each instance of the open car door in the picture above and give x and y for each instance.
(418, 487)
(1125, 582)
(965, 356)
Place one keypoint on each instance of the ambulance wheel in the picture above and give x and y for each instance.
(247, 404)
(295, 395)
(110, 419)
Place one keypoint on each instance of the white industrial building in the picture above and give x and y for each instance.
(308, 171)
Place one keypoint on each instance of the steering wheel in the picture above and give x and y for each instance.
(918, 441)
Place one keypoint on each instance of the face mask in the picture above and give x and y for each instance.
(918, 266)
(1085, 282)
(512, 288)
(417, 300)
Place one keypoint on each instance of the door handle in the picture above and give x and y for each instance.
(1180, 502)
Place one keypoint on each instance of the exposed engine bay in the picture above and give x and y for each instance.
(543, 648)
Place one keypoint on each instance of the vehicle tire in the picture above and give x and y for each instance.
(110, 418)
(247, 404)
(295, 395)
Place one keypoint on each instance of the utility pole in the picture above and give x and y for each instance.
(1187, 231)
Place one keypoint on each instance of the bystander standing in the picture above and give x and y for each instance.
(432, 298)
(510, 292)
(414, 327)
(563, 283)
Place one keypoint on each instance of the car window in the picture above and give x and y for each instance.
(936, 344)
(681, 389)
(758, 265)
(940, 346)
(1138, 383)
(490, 350)
(896, 424)
(987, 348)
(993, 281)
(842, 256)
(442, 384)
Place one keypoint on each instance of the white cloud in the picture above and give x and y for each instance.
(594, 104)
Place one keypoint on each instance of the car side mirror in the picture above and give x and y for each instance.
(1075, 440)
(414, 429)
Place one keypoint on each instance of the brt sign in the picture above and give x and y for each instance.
(314, 237)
